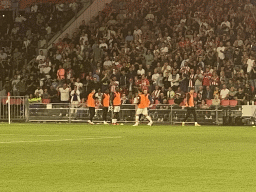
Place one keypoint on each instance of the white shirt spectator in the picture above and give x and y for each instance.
(79, 85)
(60, 7)
(220, 54)
(150, 17)
(41, 43)
(141, 71)
(34, 8)
(40, 91)
(64, 94)
(14, 84)
(183, 62)
(249, 65)
(39, 57)
(99, 96)
(165, 70)
(72, 95)
(46, 70)
(58, 57)
(227, 23)
(41, 66)
(224, 93)
(107, 64)
(174, 79)
(164, 49)
(26, 43)
(103, 45)
(170, 94)
(84, 38)
(137, 33)
(155, 77)
(20, 19)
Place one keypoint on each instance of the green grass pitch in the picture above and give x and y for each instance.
(105, 158)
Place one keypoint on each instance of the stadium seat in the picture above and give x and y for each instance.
(171, 101)
(46, 101)
(233, 103)
(224, 103)
(209, 102)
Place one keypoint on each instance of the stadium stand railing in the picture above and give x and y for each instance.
(160, 113)
(18, 108)
(23, 111)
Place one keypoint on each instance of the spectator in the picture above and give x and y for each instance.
(170, 93)
(207, 93)
(107, 64)
(45, 95)
(64, 97)
(224, 93)
(141, 71)
(99, 95)
(240, 97)
(53, 95)
(39, 90)
(199, 99)
(174, 79)
(21, 87)
(204, 105)
(129, 37)
(178, 99)
(216, 101)
(232, 93)
(75, 99)
(61, 73)
(198, 80)
(40, 56)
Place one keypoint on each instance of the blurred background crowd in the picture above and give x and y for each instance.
(165, 46)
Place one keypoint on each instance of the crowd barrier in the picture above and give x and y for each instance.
(22, 110)
(18, 108)
(164, 114)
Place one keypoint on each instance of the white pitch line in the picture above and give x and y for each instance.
(49, 135)
(41, 141)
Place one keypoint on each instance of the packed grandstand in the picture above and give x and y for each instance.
(164, 46)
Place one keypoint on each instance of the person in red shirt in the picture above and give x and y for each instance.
(207, 77)
(144, 83)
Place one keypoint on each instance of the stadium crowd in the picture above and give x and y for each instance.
(164, 46)
(31, 29)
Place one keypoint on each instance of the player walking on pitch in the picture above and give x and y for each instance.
(143, 103)
(116, 105)
(190, 105)
(91, 105)
(105, 104)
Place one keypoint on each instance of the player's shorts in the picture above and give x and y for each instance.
(143, 111)
(116, 109)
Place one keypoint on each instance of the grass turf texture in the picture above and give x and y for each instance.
(79, 157)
